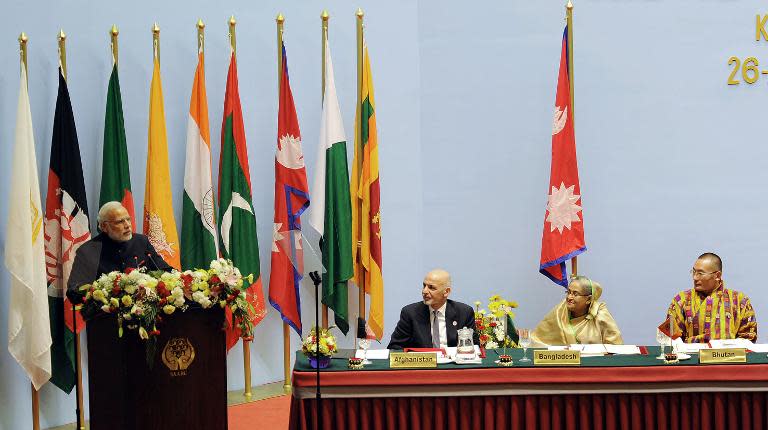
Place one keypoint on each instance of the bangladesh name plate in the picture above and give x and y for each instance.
(412, 360)
(543, 357)
(723, 355)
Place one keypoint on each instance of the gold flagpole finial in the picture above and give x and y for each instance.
(232, 39)
(156, 41)
(569, 5)
(113, 33)
(62, 52)
(23, 51)
(280, 18)
(200, 36)
(359, 13)
(324, 16)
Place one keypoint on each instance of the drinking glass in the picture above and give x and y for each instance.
(364, 344)
(525, 342)
(662, 339)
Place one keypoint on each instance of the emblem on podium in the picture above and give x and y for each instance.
(177, 355)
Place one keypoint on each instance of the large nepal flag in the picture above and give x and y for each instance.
(66, 229)
(291, 200)
(237, 221)
(563, 236)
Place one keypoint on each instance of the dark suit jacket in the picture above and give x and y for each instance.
(413, 330)
(102, 255)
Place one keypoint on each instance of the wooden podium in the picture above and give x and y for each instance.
(186, 388)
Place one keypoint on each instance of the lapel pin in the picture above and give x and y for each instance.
(454, 324)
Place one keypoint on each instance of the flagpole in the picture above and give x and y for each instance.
(324, 30)
(35, 395)
(359, 141)
(569, 24)
(62, 38)
(246, 343)
(113, 34)
(286, 330)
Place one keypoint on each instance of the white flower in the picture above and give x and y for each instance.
(217, 265)
(143, 333)
(491, 345)
(105, 308)
(131, 288)
(179, 302)
(137, 310)
(498, 332)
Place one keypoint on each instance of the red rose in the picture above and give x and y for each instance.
(162, 302)
(115, 290)
(492, 324)
(214, 280)
(161, 290)
(481, 327)
(187, 279)
(236, 292)
(154, 333)
(128, 270)
(484, 338)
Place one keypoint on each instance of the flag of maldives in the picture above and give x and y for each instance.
(291, 200)
(563, 236)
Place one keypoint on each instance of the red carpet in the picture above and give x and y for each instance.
(268, 413)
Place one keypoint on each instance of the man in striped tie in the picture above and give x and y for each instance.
(434, 321)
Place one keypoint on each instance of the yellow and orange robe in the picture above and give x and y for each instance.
(723, 314)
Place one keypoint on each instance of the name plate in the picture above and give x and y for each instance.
(412, 360)
(723, 355)
(543, 357)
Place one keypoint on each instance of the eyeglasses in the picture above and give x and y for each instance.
(126, 220)
(569, 293)
(700, 274)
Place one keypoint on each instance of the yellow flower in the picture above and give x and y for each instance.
(127, 300)
(99, 295)
(114, 302)
(169, 309)
(143, 333)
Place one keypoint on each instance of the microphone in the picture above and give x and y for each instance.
(149, 254)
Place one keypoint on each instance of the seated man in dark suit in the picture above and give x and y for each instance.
(434, 321)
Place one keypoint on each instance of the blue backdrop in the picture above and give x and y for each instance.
(671, 158)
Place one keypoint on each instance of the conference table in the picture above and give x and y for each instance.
(604, 392)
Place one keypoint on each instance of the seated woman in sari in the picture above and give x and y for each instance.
(579, 318)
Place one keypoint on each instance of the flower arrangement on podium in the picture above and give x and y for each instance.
(140, 298)
(319, 347)
(495, 325)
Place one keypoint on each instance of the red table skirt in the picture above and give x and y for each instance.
(685, 411)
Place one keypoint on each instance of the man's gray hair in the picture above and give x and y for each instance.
(105, 209)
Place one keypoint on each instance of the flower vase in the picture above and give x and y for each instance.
(319, 362)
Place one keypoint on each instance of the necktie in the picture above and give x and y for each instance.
(435, 331)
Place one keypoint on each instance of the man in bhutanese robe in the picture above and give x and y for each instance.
(709, 310)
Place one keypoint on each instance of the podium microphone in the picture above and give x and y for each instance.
(149, 254)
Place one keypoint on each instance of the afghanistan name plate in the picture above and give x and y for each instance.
(412, 360)
(543, 357)
(723, 355)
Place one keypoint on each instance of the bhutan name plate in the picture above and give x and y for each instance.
(542, 357)
(412, 360)
(723, 355)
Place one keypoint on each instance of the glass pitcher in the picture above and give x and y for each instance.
(465, 344)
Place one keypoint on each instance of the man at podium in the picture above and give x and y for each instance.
(117, 247)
